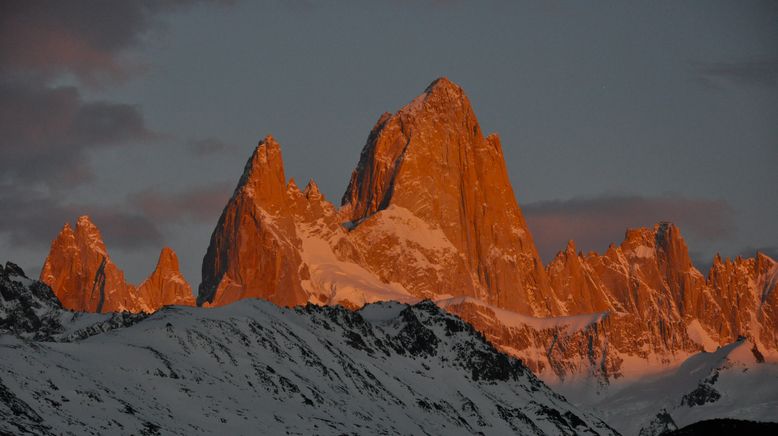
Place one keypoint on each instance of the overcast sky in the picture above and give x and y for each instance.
(611, 114)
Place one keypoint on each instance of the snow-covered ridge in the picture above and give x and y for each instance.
(29, 309)
(390, 368)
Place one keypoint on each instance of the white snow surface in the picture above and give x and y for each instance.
(567, 324)
(698, 334)
(727, 383)
(254, 367)
(342, 280)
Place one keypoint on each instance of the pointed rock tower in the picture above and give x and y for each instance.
(254, 250)
(81, 273)
(166, 286)
(431, 161)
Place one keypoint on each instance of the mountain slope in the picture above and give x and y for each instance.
(731, 382)
(389, 368)
(30, 310)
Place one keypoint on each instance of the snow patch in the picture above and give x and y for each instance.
(698, 334)
(643, 252)
(569, 324)
(343, 281)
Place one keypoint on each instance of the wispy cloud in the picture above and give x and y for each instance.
(201, 204)
(30, 218)
(753, 72)
(47, 130)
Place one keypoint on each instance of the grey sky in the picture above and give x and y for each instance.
(650, 110)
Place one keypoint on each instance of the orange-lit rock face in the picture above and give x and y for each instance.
(429, 212)
(663, 307)
(82, 275)
(432, 160)
(254, 250)
(166, 286)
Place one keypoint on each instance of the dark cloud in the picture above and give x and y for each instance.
(31, 218)
(755, 72)
(87, 38)
(47, 130)
(208, 146)
(598, 221)
(201, 204)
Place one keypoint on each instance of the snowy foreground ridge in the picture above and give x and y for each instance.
(251, 367)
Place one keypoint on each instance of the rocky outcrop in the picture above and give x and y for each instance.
(166, 286)
(27, 307)
(80, 272)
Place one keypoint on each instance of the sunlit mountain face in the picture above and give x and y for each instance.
(424, 301)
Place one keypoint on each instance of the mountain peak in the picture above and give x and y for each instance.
(671, 243)
(442, 85)
(432, 159)
(292, 190)
(312, 191)
(441, 97)
(84, 224)
(267, 154)
(81, 273)
(166, 285)
(168, 259)
(252, 252)
(84, 221)
(263, 176)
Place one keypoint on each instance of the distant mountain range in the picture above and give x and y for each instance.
(430, 214)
